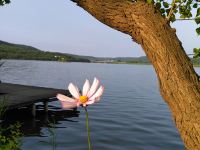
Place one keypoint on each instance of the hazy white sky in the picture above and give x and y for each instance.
(62, 26)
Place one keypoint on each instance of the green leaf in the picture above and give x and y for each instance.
(189, 15)
(162, 10)
(189, 2)
(196, 52)
(198, 30)
(149, 1)
(198, 12)
(197, 20)
(182, 17)
(7, 1)
(167, 11)
(195, 5)
(177, 1)
(175, 11)
(158, 5)
(165, 4)
(182, 9)
(173, 18)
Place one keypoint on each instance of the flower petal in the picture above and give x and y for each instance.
(86, 87)
(78, 104)
(93, 88)
(64, 98)
(67, 105)
(74, 91)
(90, 102)
(97, 95)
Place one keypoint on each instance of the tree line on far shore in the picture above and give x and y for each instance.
(15, 51)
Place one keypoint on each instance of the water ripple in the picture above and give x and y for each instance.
(130, 116)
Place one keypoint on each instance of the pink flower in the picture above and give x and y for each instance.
(89, 95)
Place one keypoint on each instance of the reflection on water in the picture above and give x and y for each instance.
(31, 126)
(18, 122)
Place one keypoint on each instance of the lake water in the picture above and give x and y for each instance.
(130, 116)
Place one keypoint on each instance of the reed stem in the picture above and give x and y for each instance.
(88, 129)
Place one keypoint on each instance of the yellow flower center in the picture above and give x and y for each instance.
(83, 99)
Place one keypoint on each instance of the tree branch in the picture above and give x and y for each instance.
(186, 19)
(171, 10)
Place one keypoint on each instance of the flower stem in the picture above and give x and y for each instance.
(88, 128)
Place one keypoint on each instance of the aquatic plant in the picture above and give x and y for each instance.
(52, 132)
(9, 135)
(90, 95)
(1, 64)
(3, 106)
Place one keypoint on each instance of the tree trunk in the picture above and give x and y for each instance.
(179, 84)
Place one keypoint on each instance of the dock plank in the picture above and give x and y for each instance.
(22, 95)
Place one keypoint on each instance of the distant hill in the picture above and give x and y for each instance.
(24, 52)
(17, 51)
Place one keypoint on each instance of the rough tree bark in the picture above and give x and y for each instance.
(179, 84)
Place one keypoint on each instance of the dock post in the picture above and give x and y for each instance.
(33, 110)
(45, 106)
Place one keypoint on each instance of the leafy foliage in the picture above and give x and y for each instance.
(3, 106)
(180, 10)
(196, 52)
(9, 135)
(3, 2)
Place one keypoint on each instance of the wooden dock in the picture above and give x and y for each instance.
(18, 96)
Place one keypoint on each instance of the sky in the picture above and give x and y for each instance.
(61, 26)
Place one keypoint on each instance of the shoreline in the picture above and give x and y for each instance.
(121, 63)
